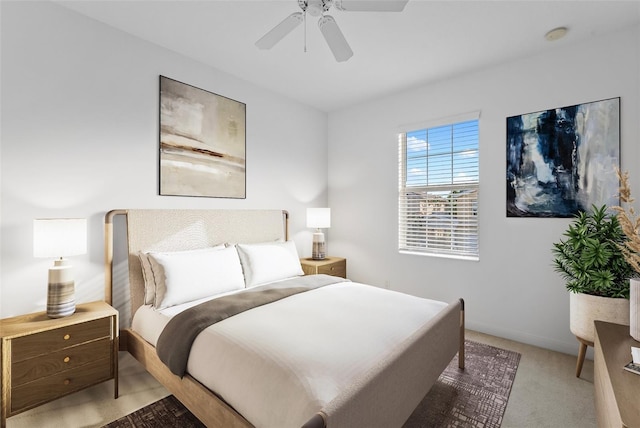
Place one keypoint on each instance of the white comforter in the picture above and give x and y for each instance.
(279, 364)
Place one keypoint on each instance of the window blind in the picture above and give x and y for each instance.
(438, 190)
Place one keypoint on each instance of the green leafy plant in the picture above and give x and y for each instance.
(590, 259)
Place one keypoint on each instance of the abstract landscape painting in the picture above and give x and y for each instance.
(563, 161)
(202, 142)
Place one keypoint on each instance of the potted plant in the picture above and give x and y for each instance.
(630, 223)
(596, 273)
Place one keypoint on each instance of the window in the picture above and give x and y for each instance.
(438, 192)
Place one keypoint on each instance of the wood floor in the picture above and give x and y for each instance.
(545, 393)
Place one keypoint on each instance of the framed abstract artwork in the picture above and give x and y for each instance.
(563, 161)
(202, 142)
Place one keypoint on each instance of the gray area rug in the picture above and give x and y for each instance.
(474, 397)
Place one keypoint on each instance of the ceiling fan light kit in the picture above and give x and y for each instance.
(327, 24)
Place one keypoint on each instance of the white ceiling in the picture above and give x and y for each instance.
(428, 41)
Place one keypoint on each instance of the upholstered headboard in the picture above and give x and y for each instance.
(177, 230)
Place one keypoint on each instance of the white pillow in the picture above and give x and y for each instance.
(154, 281)
(192, 275)
(268, 262)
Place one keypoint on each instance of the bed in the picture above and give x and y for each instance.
(323, 353)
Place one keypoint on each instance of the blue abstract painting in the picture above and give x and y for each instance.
(563, 161)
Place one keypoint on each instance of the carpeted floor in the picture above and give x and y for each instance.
(475, 397)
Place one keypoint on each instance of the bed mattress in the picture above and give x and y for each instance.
(281, 363)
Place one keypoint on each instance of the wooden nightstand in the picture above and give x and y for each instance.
(615, 389)
(44, 358)
(336, 266)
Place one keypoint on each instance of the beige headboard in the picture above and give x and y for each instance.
(177, 230)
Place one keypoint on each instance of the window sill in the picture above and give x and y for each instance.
(443, 256)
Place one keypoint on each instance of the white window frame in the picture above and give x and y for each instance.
(457, 235)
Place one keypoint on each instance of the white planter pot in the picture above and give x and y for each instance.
(584, 309)
(634, 307)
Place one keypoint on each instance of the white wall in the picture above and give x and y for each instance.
(512, 291)
(80, 137)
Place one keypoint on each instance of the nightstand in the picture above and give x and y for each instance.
(336, 266)
(44, 358)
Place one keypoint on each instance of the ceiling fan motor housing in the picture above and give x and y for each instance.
(315, 7)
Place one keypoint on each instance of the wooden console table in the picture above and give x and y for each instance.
(617, 390)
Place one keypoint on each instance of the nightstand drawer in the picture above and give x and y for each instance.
(69, 358)
(50, 387)
(335, 269)
(59, 338)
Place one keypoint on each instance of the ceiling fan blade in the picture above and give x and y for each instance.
(371, 5)
(279, 31)
(335, 39)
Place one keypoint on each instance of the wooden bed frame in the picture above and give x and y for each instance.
(386, 396)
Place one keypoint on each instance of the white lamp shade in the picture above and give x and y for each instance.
(59, 237)
(319, 218)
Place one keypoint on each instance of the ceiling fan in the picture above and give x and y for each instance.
(328, 26)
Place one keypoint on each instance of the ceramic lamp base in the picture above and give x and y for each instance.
(319, 249)
(61, 300)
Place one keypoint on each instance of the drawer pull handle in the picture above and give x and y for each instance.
(67, 337)
(66, 359)
(67, 381)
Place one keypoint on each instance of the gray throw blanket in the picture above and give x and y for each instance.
(174, 343)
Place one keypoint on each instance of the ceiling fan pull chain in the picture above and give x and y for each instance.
(305, 31)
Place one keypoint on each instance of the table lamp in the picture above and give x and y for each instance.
(60, 237)
(318, 218)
